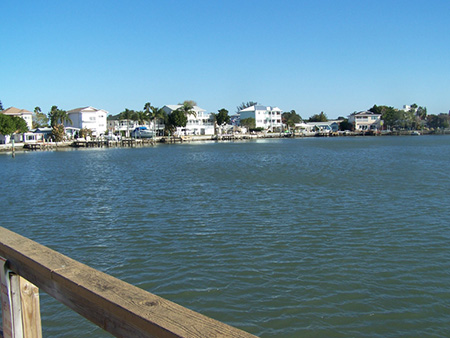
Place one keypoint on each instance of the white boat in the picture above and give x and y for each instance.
(142, 132)
(415, 133)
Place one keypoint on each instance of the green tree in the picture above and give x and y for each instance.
(127, 115)
(1, 106)
(291, 118)
(187, 108)
(222, 117)
(64, 117)
(140, 117)
(438, 121)
(322, 117)
(393, 118)
(345, 125)
(58, 132)
(248, 123)
(421, 112)
(10, 125)
(191, 103)
(39, 118)
(159, 116)
(147, 108)
(148, 112)
(53, 116)
(177, 118)
(244, 105)
(58, 116)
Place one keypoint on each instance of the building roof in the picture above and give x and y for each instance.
(87, 109)
(173, 107)
(260, 107)
(15, 111)
(366, 113)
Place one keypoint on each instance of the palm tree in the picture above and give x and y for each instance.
(37, 117)
(53, 116)
(147, 107)
(140, 117)
(58, 116)
(148, 112)
(158, 115)
(64, 117)
(188, 109)
(127, 115)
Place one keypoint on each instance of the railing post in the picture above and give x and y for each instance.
(31, 312)
(7, 305)
(20, 305)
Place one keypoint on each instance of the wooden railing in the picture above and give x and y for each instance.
(114, 305)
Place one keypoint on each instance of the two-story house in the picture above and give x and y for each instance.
(90, 118)
(200, 123)
(265, 117)
(365, 121)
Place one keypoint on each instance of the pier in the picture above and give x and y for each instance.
(126, 142)
(114, 305)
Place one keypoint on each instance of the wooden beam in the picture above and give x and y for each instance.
(114, 305)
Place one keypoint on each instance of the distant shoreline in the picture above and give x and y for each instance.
(128, 142)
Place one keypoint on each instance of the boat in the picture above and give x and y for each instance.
(415, 133)
(142, 132)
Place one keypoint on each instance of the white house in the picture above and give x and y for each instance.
(365, 120)
(24, 114)
(90, 118)
(201, 123)
(265, 116)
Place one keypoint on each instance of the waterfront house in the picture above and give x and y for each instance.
(266, 117)
(122, 127)
(45, 131)
(320, 127)
(29, 137)
(88, 117)
(200, 123)
(22, 113)
(365, 121)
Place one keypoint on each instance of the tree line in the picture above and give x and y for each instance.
(414, 118)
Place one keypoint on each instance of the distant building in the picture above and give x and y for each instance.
(365, 121)
(90, 118)
(201, 123)
(23, 113)
(331, 126)
(266, 117)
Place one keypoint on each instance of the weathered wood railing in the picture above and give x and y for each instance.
(114, 305)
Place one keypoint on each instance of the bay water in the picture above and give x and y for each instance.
(313, 237)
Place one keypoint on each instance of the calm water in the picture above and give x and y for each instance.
(332, 237)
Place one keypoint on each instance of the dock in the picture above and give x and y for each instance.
(126, 142)
(117, 307)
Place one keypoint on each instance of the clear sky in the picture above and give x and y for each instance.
(311, 56)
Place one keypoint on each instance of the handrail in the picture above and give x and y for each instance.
(120, 308)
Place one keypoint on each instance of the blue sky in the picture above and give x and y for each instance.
(332, 56)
